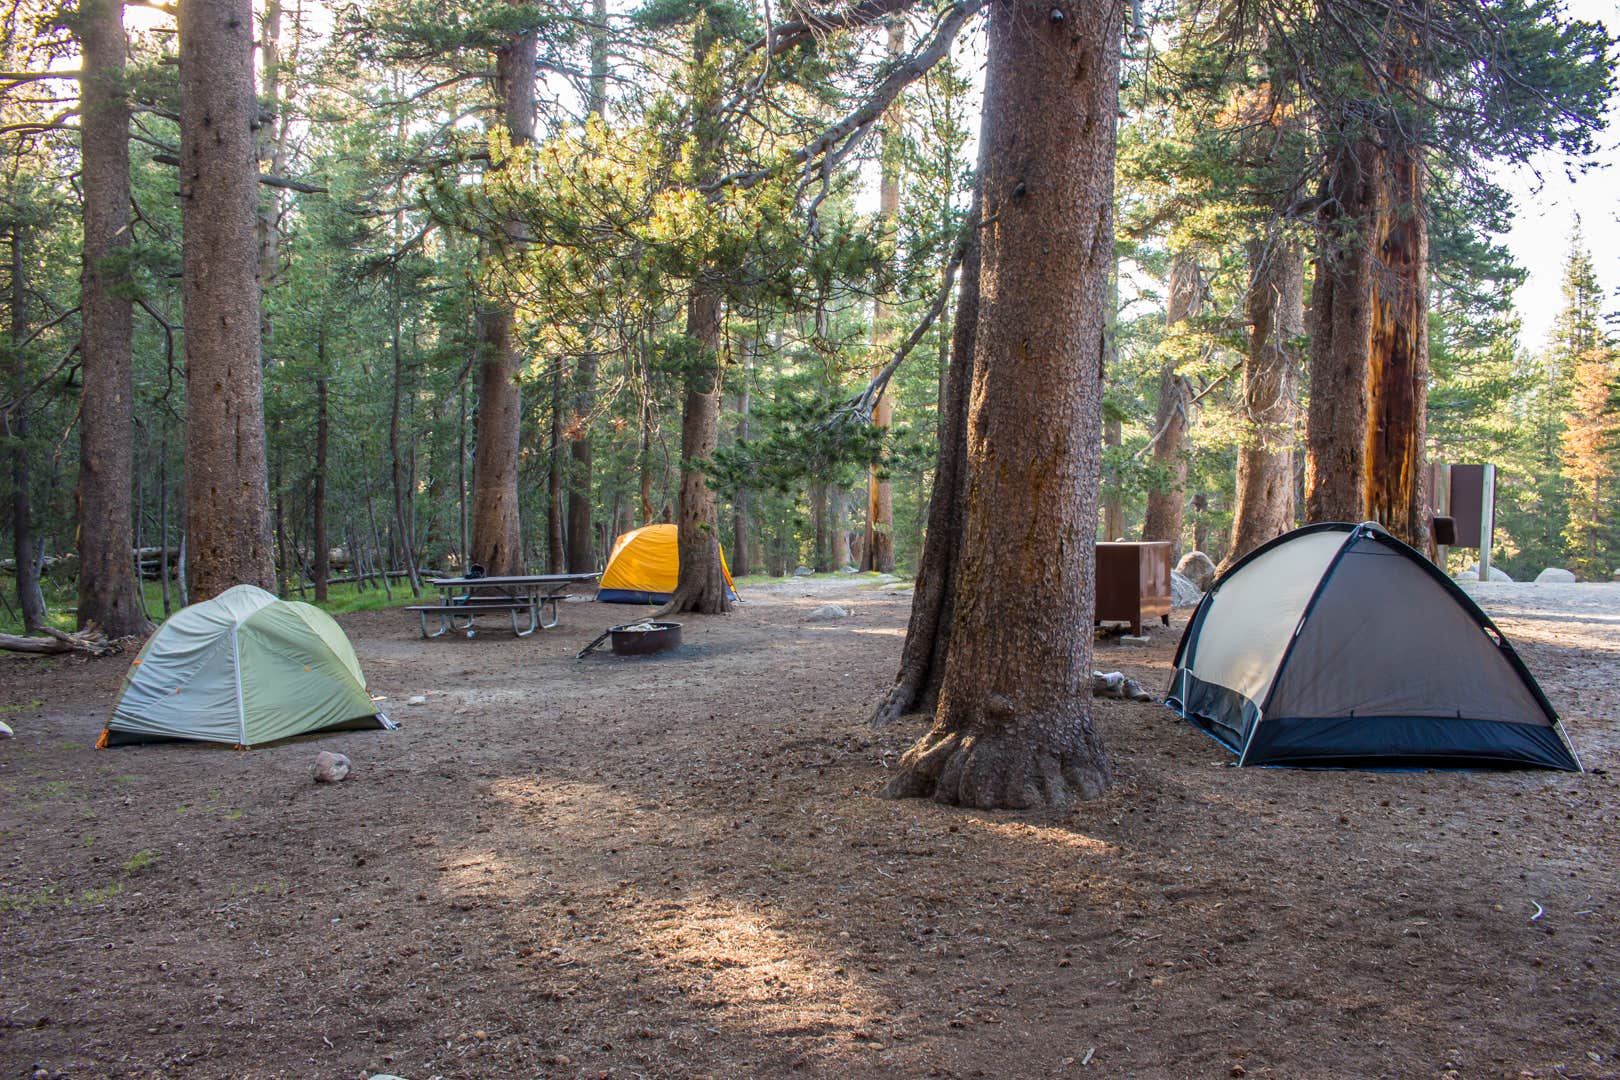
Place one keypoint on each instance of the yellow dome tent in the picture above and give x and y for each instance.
(644, 566)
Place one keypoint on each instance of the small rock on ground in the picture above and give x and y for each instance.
(416, 699)
(330, 768)
(1554, 574)
(827, 613)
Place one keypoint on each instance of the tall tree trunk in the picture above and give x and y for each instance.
(701, 585)
(928, 634)
(877, 553)
(497, 539)
(646, 477)
(741, 557)
(556, 507)
(838, 523)
(109, 594)
(323, 546)
(1013, 725)
(1165, 505)
(820, 530)
(1341, 335)
(581, 535)
(398, 472)
(1265, 469)
(29, 598)
(1113, 508)
(1398, 362)
(1369, 344)
(227, 486)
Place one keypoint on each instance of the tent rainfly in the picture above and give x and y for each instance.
(242, 668)
(1339, 645)
(644, 565)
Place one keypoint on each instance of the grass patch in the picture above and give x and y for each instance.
(61, 598)
(101, 894)
(141, 860)
(28, 901)
(7, 710)
(58, 789)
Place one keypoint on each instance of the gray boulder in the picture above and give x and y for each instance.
(827, 613)
(1472, 574)
(1556, 575)
(803, 571)
(1183, 593)
(1197, 568)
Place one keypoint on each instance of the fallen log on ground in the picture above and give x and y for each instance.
(89, 640)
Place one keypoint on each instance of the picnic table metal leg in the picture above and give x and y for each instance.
(555, 617)
(532, 623)
(443, 625)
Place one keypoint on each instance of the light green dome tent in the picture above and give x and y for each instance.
(242, 668)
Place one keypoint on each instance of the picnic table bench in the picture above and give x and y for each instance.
(518, 596)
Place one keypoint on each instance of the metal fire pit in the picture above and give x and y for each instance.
(638, 639)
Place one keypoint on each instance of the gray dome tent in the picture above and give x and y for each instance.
(1338, 645)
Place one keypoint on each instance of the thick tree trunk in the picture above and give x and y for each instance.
(1165, 506)
(700, 584)
(497, 538)
(928, 634)
(109, 595)
(323, 545)
(1369, 345)
(838, 527)
(1398, 361)
(820, 531)
(1265, 470)
(227, 486)
(877, 553)
(1013, 726)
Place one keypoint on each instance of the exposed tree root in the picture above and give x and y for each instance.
(998, 772)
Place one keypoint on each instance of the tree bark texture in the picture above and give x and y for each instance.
(109, 595)
(227, 484)
(933, 604)
(741, 555)
(497, 539)
(1165, 507)
(1013, 727)
(1265, 469)
(581, 533)
(1341, 336)
(1113, 507)
(700, 584)
(1398, 361)
(877, 553)
(30, 600)
(1369, 345)
(323, 545)
(556, 475)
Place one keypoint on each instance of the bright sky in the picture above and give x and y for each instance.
(1547, 209)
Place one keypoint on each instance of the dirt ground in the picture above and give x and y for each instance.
(679, 867)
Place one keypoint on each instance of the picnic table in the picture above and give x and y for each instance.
(463, 599)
